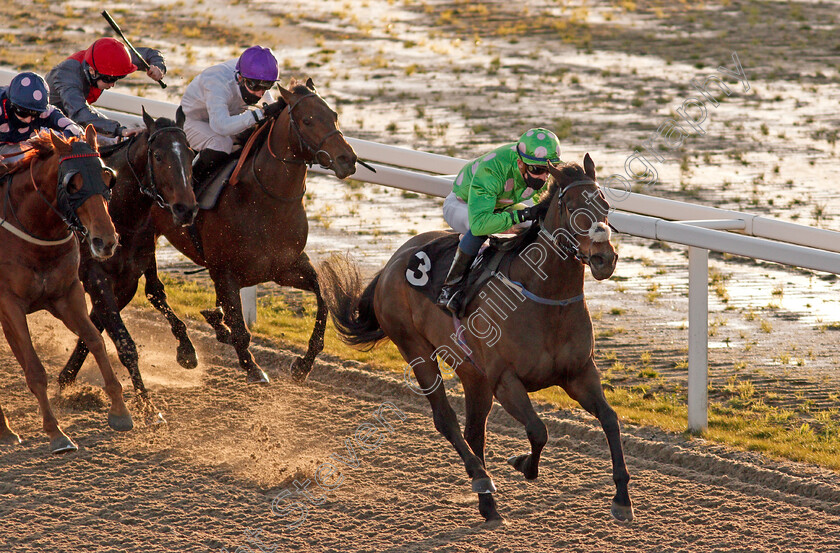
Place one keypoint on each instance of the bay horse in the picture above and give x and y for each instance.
(58, 183)
(546, 340)
(153, 167)
(257, 231)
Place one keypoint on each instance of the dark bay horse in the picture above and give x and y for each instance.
(258, 229)
(153, 167)
(57, 183)
(542, 329)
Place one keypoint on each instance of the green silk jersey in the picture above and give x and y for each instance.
(491, 185)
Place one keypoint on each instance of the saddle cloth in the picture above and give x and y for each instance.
(207, 194)
(429, 264)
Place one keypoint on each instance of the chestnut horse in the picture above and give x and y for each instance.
(257, 231)
(154, 166)
(544, 340)
(56, 184)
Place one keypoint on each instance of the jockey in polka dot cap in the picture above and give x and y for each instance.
(492, 194)
(24, 110)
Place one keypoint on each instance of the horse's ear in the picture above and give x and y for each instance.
(554, 171)
(90, 138)
(310, 85)
(180, 118)
(148, 120)
(286, 94)
(589, 167)
(58, 143)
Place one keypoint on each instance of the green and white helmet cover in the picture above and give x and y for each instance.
(538, 146)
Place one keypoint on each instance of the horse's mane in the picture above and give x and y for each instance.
(523, 239)
(41, 146)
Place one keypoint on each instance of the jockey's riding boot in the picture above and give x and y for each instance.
(451, 295)
(205, 164)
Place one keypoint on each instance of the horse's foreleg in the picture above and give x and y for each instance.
(513, 396)
(72, 311)
(156, 295)
(477, 389)
(227, 297)
(303, 277)
(429, 383)
(13, 320)
(586, 389)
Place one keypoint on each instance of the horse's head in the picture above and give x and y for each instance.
(314, 130)
(83, 191)
(577, 217)
(168, 177)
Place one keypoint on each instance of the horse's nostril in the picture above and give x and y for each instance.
(179, 209)
(97, 243)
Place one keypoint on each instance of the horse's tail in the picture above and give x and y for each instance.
(350, 306)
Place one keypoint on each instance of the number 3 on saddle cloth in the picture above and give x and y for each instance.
(429, 263)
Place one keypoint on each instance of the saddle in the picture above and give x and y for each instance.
(430, 262)
(207, 193)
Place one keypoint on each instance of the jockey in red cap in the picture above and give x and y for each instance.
(78, 81)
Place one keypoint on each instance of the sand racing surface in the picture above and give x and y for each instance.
(460, 77)
(209, 476)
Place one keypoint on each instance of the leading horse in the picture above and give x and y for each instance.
(258, 229)
(544, 331)
(153, 167)
(56, 184)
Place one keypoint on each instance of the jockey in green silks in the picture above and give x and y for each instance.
(491, 195)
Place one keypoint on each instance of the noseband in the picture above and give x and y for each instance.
(151, 191)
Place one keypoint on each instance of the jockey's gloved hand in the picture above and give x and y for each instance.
(527, 214)
(273, 110)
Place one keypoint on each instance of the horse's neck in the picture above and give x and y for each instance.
(129, 207)
(558, 276)
(31, 208)
(282, 179)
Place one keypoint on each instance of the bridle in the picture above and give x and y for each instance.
(152, 190)
(567, 241)
(311, 152)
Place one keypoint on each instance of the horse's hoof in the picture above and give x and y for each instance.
(186, 356)
(10, 438)
(299, 373)
(483, 485)
(487, 508)
(62, 444)
(622, 513)
(120, 423)
(520, 463)
(257, 376)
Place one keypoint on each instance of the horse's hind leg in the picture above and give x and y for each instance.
(586, 389)
(17, 334)
(227, 296)
(156, 295)
(513, 396)
(7, 436)
(303, 277)
(68, 374)
(71, 309)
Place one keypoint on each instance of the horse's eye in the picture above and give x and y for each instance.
(157, 157)
(307, 121)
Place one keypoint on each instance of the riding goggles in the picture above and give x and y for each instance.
(536, 169)
(24, 112)
(256, 84)
(110, 79)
